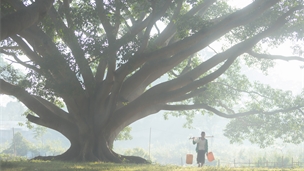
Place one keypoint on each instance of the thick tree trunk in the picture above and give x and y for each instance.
(92, 147)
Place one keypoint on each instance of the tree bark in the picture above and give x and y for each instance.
(92, 147)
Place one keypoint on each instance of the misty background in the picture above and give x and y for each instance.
(166, 141)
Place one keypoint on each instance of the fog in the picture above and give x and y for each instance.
(167, 141)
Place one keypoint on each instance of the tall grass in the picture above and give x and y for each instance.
(97, 166)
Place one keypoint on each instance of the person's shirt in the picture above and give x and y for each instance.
(202, 143)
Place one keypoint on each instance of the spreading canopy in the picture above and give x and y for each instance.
(101, 60)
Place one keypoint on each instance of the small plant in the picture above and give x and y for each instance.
(11, 157)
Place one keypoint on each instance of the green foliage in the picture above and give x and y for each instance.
(8, 72)
(48, 147)
(23, 147)
(234, 93)
(19, 146)
(11, 157)
(39, 131)
(124, 134)
(257, 128)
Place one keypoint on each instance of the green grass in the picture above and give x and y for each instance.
(69, 166)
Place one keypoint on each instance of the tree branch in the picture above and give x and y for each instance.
(67, 10)
(245, 91)
(10, 48)
(14, 23)
(53, 62)
(20, 62)
(68, 129)
(27, 50)
(71, 40)
(102, 14)
(189, 95)
(117, 17)
(198, 41)
(170, 30)
(36, 104)
(280, 57)
(221, 114)
(163, 66)
(28, 100)
(55, 109)
(187, 82)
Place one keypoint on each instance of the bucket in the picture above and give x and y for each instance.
(189, 158)
(210, 156)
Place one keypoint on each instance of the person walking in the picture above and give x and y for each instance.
(201, 148)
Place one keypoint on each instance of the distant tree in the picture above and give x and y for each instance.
(100, 59)
(12, 112)
(19, 146)
(125, 134)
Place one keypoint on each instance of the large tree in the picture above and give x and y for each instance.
(101, 60)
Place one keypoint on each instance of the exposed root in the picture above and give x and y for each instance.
(127, 159)
(44, 158)
(136, 160)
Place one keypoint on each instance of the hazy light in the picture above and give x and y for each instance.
(239, 3)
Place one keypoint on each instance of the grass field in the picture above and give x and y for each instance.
(68, 166)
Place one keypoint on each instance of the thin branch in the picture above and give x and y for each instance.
(101, 68)
(192, 94)
(145, 38)
(197, 41)
(173, 73)
(201, 82)
(212, 49)
(28, 100)
(170, 30)
(117, 16)
(156, 27)
(27, 50)
(187, 81)
(219, 113)
(102, 14)
(57, 70)
(225, 107)
(36, 104)
(71, 40)
(188, 66)
(167, 64)
(245, 91)
(155, 15)
(67, 11)
(11, 48)
(130, 16)
(18, 61)
(279, 57)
